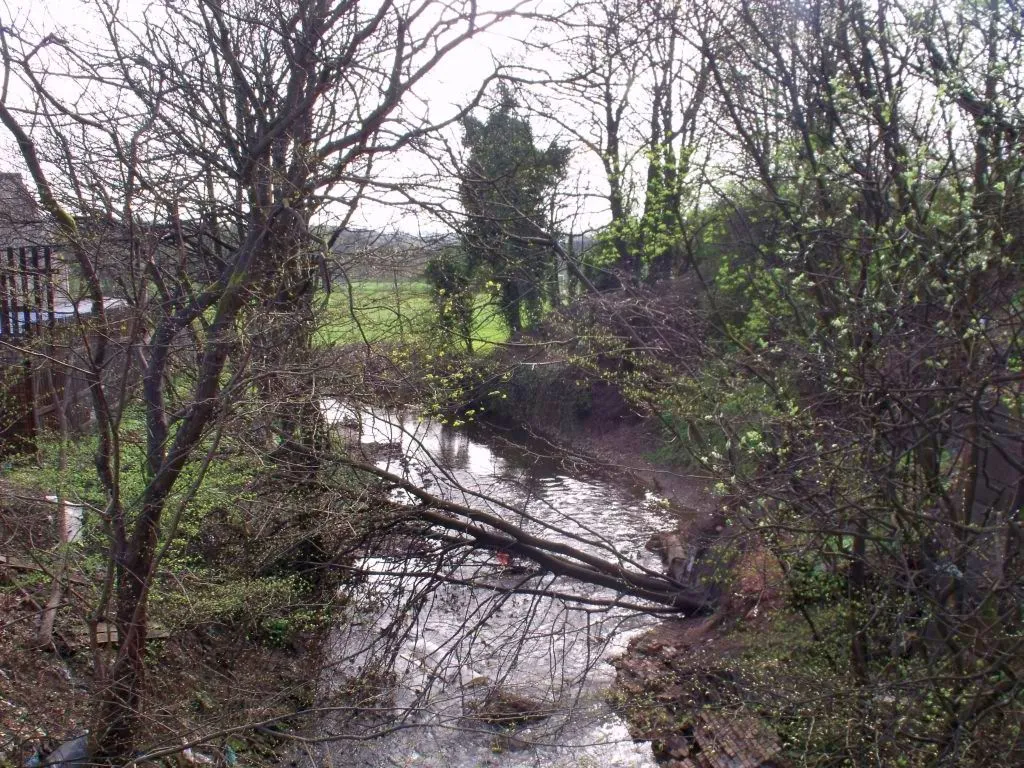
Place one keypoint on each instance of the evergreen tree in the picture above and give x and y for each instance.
(505, 190)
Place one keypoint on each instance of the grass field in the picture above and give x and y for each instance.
(372, 311)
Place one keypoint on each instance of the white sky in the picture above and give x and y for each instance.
(454, 81)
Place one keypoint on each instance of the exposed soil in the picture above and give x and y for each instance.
(667, 679)
(212, 679)
(202, 681)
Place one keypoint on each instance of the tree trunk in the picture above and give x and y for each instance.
(119, 703)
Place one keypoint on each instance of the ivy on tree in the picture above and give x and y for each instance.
(449, 276)
(506, 188)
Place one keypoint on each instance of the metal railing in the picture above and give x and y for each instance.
(27, 288)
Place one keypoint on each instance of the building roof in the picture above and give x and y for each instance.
(21, 221)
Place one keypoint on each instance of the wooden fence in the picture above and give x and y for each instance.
(39, 334)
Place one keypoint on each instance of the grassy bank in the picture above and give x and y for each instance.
(235, 619)
(371, 311)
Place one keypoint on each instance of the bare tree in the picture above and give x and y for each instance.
(203, 137)
(632, 95)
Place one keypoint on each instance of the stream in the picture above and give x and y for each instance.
(461, 658)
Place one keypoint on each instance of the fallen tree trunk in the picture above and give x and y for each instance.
(486, 530)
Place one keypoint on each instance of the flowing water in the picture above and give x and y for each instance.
(438, 642)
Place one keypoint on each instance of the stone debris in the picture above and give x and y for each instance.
(506, 709)
(730, 740)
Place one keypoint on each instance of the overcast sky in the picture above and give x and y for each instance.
(450, 86)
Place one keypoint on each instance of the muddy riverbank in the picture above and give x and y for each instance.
(472, 657)
(669, 677)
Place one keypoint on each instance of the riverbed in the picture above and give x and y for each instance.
(457, 658)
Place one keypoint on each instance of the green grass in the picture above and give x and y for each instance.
(373, 311)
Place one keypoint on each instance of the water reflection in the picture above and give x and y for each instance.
(435, 634)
